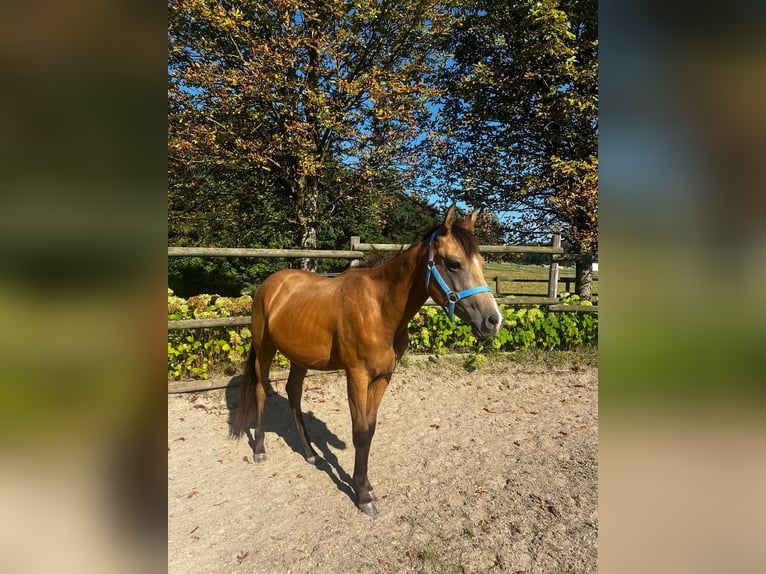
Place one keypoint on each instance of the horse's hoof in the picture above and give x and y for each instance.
(260, 457)
(372, 495)
(369, 509)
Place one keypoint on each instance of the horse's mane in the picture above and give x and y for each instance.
(464, 237)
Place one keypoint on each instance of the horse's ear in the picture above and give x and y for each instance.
(469, 221)
(449, 219)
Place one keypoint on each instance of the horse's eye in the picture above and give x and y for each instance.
(453, 264)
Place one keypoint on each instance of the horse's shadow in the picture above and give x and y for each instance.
(278, 419)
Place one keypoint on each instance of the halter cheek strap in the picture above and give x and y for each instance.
(452, 297)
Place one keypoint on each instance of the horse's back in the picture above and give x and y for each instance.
(298, 286)
(297, 310)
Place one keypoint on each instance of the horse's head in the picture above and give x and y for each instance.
(455, 277)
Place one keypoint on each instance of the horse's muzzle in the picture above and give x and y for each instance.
(487, 326)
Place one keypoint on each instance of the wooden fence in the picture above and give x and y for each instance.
(358, 250)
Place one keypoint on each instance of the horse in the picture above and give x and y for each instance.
(357, 322)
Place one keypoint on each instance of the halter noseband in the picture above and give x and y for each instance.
(452, 297)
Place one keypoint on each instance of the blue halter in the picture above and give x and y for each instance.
(452, 297)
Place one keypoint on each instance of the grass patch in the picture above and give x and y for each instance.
(427, 559)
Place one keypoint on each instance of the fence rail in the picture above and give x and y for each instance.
(202, 323)
(356, 244)
(248, 252)
(358, 250)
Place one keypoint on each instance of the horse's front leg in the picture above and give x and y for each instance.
(364, 400)
(365, 500)
(358, 386)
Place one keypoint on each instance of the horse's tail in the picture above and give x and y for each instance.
(247, 406)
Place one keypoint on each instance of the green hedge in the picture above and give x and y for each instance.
(195, 353)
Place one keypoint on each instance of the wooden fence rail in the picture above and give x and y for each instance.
(357, 245)
(358, 250)
(202, 323)
(247, 252)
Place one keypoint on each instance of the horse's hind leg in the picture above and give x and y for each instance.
(294, 394)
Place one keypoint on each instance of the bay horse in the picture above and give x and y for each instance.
(357, 322)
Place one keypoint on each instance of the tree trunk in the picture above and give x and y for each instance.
(308, 210)
(308, 215)
(584, 276)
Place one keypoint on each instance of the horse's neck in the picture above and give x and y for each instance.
(404, 277)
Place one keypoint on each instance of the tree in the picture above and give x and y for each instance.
(287, 89)
(220, 210)
(518, 128)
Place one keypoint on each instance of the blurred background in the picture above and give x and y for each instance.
(82, 283)
(683, 265)
(83, 216)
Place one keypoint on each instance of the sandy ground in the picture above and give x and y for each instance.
(490, 471)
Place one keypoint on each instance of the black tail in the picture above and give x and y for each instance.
(246, 406)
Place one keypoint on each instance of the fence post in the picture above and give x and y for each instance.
(355, 241)
(497, 284)
(553, 270)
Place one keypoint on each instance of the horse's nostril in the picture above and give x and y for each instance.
(494, 319)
